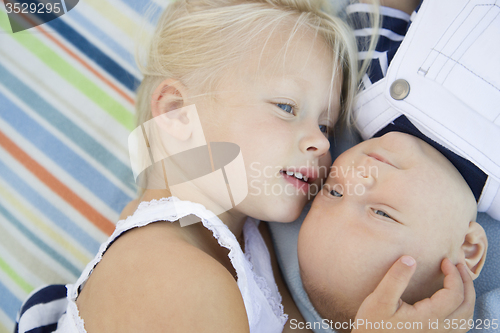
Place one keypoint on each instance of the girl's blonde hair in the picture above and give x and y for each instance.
(195, 40)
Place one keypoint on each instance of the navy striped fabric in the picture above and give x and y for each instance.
(49, 301)
(392, 32)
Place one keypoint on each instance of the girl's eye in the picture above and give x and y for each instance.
(323, 128)
(382, 213)
(336, 194)
(285, 107)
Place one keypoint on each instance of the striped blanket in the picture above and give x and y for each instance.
(66, 109)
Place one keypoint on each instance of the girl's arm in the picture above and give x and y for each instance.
(152, 280)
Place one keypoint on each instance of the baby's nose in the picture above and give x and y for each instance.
(364, 176)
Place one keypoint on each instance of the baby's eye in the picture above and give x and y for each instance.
(335, 193)
(323, 128)
(382, 213)
(285, 107)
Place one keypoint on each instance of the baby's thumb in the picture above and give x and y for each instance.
(394, 283)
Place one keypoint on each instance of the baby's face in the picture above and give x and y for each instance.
(385, 197)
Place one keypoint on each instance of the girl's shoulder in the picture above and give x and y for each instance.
(155, 278)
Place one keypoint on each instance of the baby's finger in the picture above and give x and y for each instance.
(445, 301)
(389, 290)
(466, 309)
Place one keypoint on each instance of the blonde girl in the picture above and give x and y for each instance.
(270, 77)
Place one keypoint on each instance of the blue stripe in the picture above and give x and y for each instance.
(87, 143)
(10, 304)
(38, 242)
(44, 329)
(374, 71)
(45, 295)
(64, 6)
(99, 57)
(51, 212)
(102, 36)
(140, 7)
(359, 20)
(383, 43)
(62, 155)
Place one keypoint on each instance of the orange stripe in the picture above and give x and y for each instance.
(57, 186)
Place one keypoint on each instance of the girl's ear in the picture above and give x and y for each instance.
(169, 95)
(474, 247)
(168, 109)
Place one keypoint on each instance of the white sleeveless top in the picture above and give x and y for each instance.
(253, 268)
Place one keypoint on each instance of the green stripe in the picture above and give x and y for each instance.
(15, 277)
(75, 78)
(4, 22)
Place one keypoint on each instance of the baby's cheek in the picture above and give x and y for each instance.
(425, 282)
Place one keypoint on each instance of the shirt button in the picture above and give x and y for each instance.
(400, 89)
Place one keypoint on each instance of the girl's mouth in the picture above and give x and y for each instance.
(300, 178)
(297, 175)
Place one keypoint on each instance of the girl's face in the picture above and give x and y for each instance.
(276, 105)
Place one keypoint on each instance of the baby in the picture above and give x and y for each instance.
(384, 198)
(416, 85)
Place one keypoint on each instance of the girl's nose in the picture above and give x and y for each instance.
(315, 143)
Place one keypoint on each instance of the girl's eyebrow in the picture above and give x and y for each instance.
(297, 80)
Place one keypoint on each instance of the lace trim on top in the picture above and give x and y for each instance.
(80, 326)
(220, 231)
(146, 204)
(274, 302)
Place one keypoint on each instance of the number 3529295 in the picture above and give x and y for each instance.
(33, 8)
(478, 324)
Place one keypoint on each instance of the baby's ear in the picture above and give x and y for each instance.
(167, 107)
(475, 246)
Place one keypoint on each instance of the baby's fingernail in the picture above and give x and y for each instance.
(408, 261)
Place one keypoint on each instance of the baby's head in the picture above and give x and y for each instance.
(269, 76)
(386, 197)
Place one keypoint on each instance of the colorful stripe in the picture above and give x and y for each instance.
(10, 303)
(65, 126)
(46, 208)
(60, 154)
(38, 242)
(81, 82)
(15, 277)
(67, 93)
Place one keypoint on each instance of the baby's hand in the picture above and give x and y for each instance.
(451, 307)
